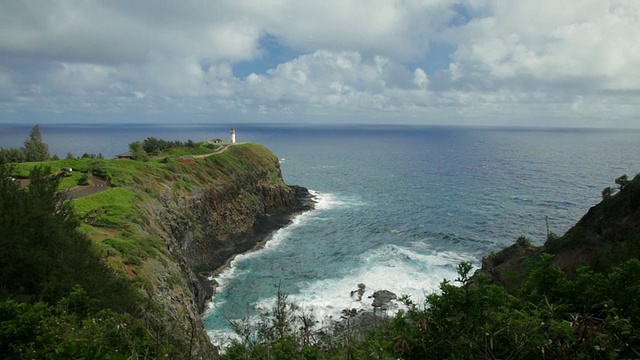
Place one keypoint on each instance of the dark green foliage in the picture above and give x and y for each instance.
(138, 151)
(607, 228)
(607, 193)
(156, 146)
(555, 316)
(85, 179)
(627, 196)
(74, 328)
(35, 149)
(622, 182)
(545, 281)
(12, 155)
(284, 332)
(523, 241)
(58, 300)
(42, 253)
(98, 169)
(587, 316)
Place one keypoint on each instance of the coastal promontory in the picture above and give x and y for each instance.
(164, 221)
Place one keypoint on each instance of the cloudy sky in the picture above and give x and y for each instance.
(567, 63)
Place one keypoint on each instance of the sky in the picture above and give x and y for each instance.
(566, 63)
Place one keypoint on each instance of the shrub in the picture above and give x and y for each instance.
(85, 179)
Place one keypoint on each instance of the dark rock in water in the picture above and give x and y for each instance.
(359, 292)
(382, 299)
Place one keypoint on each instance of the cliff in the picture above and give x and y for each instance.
(242, 200)
(167, 222)
(608, 234)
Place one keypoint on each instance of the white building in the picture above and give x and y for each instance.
(233, 135)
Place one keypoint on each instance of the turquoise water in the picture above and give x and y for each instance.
(397, 207)
(400, 207)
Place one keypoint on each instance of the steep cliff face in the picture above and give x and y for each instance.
(227, 204)
(229, 214)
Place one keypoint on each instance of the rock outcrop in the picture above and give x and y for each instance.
(382, 299)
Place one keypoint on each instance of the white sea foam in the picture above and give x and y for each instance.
(323, 202)
(223, 338)
(389, 267)
(416, 270)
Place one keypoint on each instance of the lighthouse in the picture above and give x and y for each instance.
(233, 135)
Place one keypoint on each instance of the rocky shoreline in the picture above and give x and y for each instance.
(261, 234)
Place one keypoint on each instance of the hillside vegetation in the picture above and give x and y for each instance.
(108, 275)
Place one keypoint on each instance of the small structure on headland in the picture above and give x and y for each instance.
(126, 155)
(233, 135)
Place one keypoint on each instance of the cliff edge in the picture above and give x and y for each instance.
(608, 234)
(165, 222)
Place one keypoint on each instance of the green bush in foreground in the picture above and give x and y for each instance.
(42, 252)
(589, 316)
(58, 299)
(74, 328)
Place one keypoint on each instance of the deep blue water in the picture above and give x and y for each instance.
(398, 206)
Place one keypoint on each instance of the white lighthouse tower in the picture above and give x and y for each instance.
(233, 135)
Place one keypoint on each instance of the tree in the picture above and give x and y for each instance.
(138, 151)
(622, 182)
(43, 254)
(11, 155)
(35, 149)
(85, 179)
(151, 145)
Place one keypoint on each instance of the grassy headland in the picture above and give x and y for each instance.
(154, 220)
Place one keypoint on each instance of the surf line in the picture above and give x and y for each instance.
(316, 202)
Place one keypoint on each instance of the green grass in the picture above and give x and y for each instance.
(241, 158)
(114, 196)
(112, 208)
(113, 217)
(203, 148)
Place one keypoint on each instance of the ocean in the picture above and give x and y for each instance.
(398, 207)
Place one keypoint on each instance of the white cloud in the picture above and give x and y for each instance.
(420, 78)
(593, 44)
(333, 83)
(399, 28)
(510, 62)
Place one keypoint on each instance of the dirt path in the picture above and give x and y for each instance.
(97, 185)
(223, 149)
